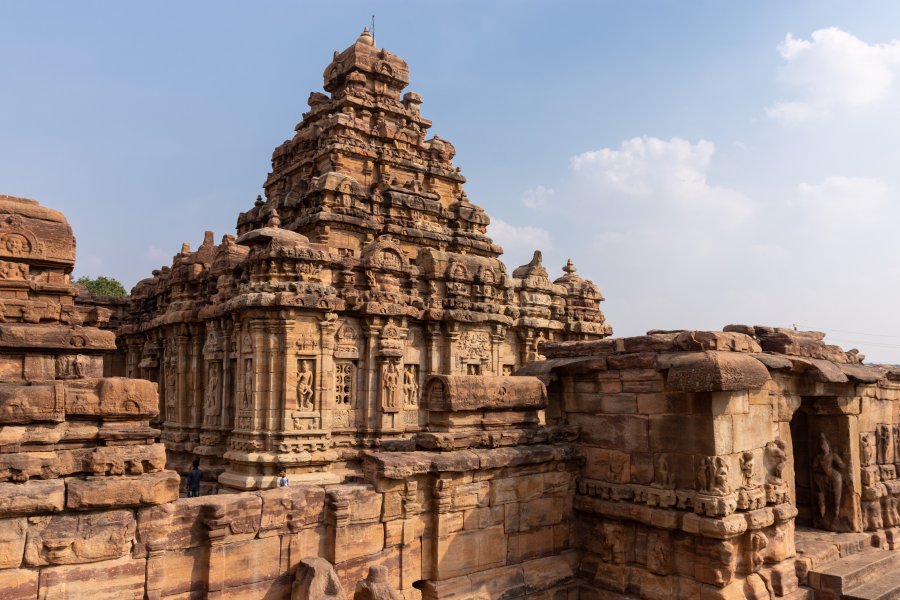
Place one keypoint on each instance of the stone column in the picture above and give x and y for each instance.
(182, 389)
(260, 373)
(325, 382)
(368, 396)
(197, 382)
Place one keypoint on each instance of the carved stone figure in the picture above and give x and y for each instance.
(868, 450)
(885, 445)
(248, 383)
(757, 544)
(390, 378)
(747, 464)
(704, 477)
(171, 377)
(720, 484)
(662, 476)
(305, 385)
(896, 432)
(212, 388)
(776, 459)
(410, 385)
(829, 481)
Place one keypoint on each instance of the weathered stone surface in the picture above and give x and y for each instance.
(105, 492)
(376, 586)
(466, 392)
(80, 538)
(367, 262)
(19, 584)
(120, 579)
(12, 542)
(316, 580)
(32, 497)
(716, 371)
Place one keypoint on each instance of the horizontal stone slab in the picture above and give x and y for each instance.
(713, 371)
(108, 397)
(55, 337)
(107, 492)
(32, 497)
(453, 393)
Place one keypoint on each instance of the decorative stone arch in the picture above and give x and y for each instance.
(385, 254)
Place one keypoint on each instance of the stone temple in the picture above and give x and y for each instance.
(451, 432)
(366, 270)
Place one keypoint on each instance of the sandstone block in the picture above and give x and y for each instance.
(359, 539)
(465, 392)
(32, 497)
(122, 579)
(499, 582)
(106, 492)
(627, 433)
(239, 563)
(174, 572)
(12, 542)
(470, 551)
(19, 584)
(21, 404)
(79, 538)
(316, 580)
(716, 371)
(288, 509)
(547, 573)
(171, 526)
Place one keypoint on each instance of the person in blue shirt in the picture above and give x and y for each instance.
(193, 479)
(283, 481)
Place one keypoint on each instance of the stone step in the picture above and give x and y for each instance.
(886, 587)
(834, 579)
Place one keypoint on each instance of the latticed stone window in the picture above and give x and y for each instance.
(343, 383)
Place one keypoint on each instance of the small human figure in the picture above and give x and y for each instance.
(283, 480)
(193, 479)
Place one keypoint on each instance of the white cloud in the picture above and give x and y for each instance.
(840, 201)
(669, 175)
(537, 197)
(519, 243)
(834, 70)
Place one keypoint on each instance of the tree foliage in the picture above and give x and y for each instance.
(106, 287)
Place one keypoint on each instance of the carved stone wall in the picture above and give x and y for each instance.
(310, 335)
(704, 448)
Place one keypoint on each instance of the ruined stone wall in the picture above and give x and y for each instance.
(702, 448)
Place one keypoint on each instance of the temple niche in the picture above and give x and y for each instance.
(308, 336)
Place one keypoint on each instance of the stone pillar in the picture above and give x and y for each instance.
(325, 383)
(182, 387)
(368, 396)
(197, 378)
(259, 373)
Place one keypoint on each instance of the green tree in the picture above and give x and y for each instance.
(106, 287)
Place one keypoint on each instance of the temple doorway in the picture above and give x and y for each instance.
(824, 490)
(802, 479)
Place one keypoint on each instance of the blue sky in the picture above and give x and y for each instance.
(703, 162)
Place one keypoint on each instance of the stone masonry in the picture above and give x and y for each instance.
(452, 432)
(310, 335)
